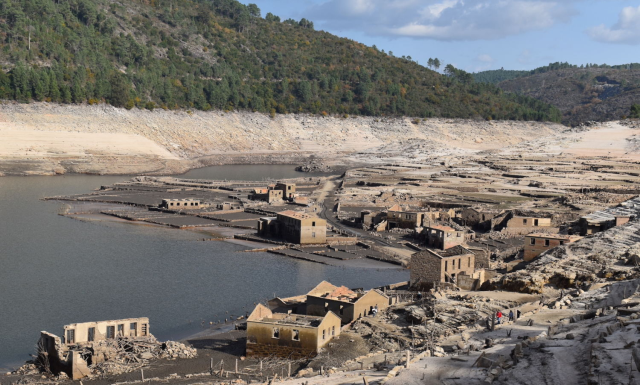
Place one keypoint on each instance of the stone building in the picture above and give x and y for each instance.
(269, 194)
(480, 218)
(181, 204)
(79, 333)
(536, 244)
(404, 219)
(298, 304)
(373, 220)
(518, 221)
(288, 190)
(611, 217)
(443, 237)
(295, 227)
(66, 354)
(347, 304)
(431, 267)
(291, 336)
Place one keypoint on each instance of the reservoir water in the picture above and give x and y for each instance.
(56, 270)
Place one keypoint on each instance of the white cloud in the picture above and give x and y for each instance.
(625, 31)
(442, 19)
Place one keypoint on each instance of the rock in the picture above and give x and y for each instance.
(570, 336)
(305, 373)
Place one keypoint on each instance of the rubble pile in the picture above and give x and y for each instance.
(314, 167)
(602, 257)
(119, 355)
(126, 354)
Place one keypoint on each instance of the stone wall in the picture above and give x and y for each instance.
(425, 269)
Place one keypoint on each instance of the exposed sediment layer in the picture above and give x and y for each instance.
(43, 138)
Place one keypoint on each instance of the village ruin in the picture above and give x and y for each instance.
(548, 241)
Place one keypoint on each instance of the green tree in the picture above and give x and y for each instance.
(254, 11)
(120, 88)
(635, 111)
(430, 63)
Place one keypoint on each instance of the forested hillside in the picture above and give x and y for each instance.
(584, 94)
(497, 76)
(221, 54)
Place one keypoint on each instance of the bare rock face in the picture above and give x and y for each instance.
(314, 167)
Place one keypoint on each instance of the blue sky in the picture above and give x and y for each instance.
(477, 35)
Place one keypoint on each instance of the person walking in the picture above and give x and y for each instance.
(510, 315)
(498, 316)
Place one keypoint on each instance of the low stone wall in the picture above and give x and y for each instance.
(260, 350)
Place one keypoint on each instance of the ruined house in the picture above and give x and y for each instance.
(291, 336)
(611, 217)
(404, 219)
(96, 331)
(288, 190)
(398, 218)
(181, 204)
(480, 218)
(295, 227)
(68, 354)
(347, 304)
(298, 304)
(229, 206)
(536, 244)
(374, 220)
(442, 237)
(429, 268)
(269, 194)
(521, 223)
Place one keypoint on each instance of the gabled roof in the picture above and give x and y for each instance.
(322, 288)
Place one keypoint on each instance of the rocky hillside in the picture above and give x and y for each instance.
(582, 94)
(45, 138)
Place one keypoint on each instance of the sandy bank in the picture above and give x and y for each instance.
(43, 138)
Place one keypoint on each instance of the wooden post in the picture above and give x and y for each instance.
(211, 366)
(289, 375)
(236, 366)
(408, 359)
(142, 374)
(365, 380)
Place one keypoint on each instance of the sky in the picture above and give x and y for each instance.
(478, 35)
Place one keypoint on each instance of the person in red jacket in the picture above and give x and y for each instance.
(499, 316)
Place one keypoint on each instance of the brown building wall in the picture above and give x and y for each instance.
(425, 269)
(517, 221)
(444, 239)
(134, 327)
(260, 340)
(288, 189)
(371, 299)
(541, 244)
(451, 266)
